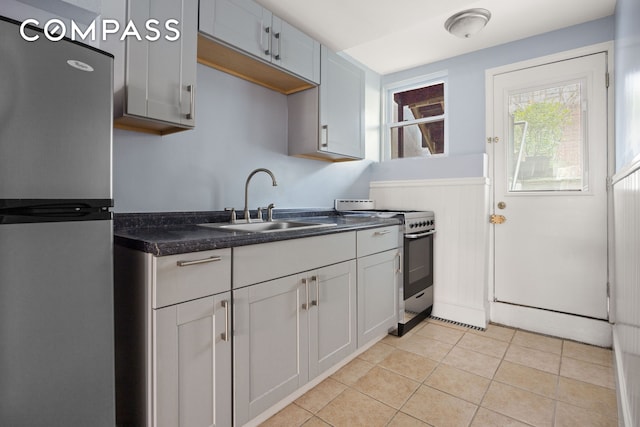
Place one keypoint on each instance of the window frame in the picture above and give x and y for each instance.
(391, 89)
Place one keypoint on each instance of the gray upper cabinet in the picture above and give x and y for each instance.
(327, 122)
(243, 24)
(160, 75)
(295, 51)
(247, 26)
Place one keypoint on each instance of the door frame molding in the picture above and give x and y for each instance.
(501, 312)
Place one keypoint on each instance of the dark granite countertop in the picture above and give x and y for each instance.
(178, 232)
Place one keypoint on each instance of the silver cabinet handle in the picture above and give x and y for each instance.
(399, 255)
(419, 235)
(317, 300)
(225, 335)
(266, 30)
(306, 306)
(198, 261)
(381, 232)
(192, 102)
(277, 37)
(324, 142)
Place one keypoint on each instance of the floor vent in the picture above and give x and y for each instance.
(477, 328)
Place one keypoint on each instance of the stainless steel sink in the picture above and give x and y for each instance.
(268, 226)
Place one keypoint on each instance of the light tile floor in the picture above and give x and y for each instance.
(442, 374)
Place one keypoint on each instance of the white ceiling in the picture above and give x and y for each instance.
(392, 35)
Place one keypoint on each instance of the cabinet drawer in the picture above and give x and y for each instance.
(259, 263)
(377, 240)
(179, 278)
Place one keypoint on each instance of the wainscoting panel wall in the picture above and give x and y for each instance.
(626, 297)
(461, 243)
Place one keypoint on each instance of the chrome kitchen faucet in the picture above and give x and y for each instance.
(247, 215)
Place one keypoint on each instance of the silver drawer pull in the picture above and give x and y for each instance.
(198, 261)
(381, 233)
(225, 335)
(306, 305)
(317, 300)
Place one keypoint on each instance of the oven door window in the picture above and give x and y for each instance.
(418, 265)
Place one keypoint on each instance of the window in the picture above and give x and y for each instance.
(416, 119)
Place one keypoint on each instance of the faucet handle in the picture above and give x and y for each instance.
(233, 214)
(270, 212)
(259, 216)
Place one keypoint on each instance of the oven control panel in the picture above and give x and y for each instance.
(419, 225)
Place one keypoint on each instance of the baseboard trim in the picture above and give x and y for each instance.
(590, 331)
(624, 409)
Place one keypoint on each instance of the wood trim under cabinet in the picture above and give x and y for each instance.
(226, 59)
(138, 124)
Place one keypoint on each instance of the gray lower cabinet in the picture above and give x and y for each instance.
(173, 338)
(192, 367)
(289, 330)
(378, 281)
(379, 275)
(332, 321)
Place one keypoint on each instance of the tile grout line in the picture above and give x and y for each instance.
(440, 363)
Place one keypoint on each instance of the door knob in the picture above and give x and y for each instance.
(502, 205)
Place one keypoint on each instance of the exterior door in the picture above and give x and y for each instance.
(550, 191)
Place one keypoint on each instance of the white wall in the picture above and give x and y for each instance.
(626, 280)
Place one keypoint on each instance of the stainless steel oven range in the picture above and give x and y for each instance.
(416, 291)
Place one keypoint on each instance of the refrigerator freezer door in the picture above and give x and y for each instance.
(56, 324)
(56, 118)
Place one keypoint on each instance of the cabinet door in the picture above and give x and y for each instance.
(295, 51)
(378, 281)
(271, 348)
(192, 368)
(341, 106)
(161, 74)
(243, 24)
(332, 320)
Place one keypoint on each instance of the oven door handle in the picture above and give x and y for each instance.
(419, 235)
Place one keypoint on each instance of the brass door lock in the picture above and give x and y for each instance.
(497, 219)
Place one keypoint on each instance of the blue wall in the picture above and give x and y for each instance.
(466, 97)
(239, 127)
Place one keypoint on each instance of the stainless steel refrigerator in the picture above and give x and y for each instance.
(56, 292)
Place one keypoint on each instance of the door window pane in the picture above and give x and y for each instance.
(547, 140)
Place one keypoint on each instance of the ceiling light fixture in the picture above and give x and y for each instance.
(468, 22)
